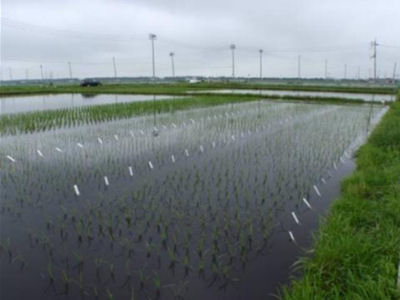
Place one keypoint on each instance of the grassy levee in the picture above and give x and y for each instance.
(357, 250)
(182, 88)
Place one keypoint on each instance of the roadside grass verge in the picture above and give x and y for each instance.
(357, 250)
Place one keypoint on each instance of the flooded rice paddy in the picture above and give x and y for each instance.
(210, 203)
(364, 97)
(19, 104)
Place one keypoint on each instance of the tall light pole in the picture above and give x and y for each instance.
(70, 70)
(394, 72)
(326, 69)
(299, 67)
(261, 55)
(152, 38)
(172, 54)
(233, 47)
(41, 72)
(115, 67)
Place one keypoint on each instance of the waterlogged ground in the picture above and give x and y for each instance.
(12, 105)
(211, 203)
(364, 97)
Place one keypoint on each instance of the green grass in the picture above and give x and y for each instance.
(357, 250)
(181, 88)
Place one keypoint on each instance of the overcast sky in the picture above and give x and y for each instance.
(88, 33)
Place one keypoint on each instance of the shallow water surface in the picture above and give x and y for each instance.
(19, 104)
(365, 97)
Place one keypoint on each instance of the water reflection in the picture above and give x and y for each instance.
(11, 105)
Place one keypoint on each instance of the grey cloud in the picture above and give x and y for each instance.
(90, 33)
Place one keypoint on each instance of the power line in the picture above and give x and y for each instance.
(72, 34)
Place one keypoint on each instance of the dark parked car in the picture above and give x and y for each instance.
(90, 82)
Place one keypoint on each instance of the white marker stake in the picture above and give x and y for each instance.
(58, 150)
(173, 158)
(201, 148)
(100, 141)
(106, 181)
(342, 160)
(233, 137)
(295, 218)
(142, 132)
(174, 125)
(307, 203)
(116, 137)
(40, 153)
(186, 152)
(291, 236)
(334, 165)
(79, 145)
(191, 120)
(10, 158)
(151, 165)
(323, 180)
(131, 133)
(130, 170)
(213, 144)
(76, 190)
(316, 190)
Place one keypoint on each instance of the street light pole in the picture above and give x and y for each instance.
(233, 47)
(152, 38)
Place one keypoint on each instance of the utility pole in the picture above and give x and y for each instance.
(70, 70)
(152, 38)
(172, 54)
(261, 54)
(233, 47)
(326, 69)
(358, 73)
(299, 67)
(394, 71)
(115, 67)
(373, 45)
(345, 71)
(41, 72)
